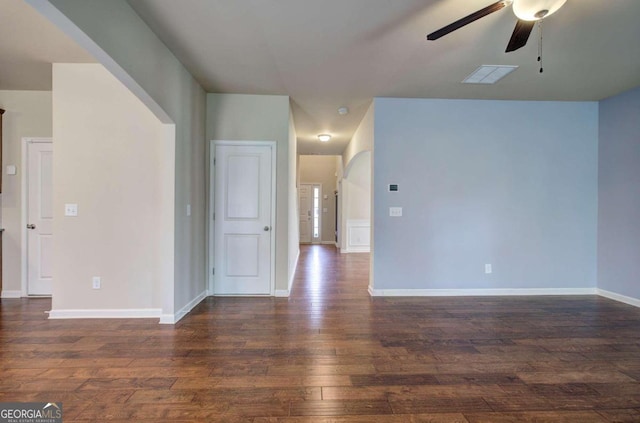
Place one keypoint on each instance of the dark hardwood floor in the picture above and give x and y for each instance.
(331, 353)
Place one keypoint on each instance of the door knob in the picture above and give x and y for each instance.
(267, 228)
(31, 226)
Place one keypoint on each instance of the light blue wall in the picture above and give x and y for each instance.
(619, 195)
(509, 183)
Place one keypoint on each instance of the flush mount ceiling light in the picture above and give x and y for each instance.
(343, 110)
(534, 10)
(324, 137)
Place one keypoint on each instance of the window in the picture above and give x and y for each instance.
(316, 212)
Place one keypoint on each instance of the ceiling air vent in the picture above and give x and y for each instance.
(489, 74)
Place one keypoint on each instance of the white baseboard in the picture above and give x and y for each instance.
(139, 313)
(11, 294)
(328, 243)
(172, 319)
(355, 250)
(619, 297)
(479, 292)
(283, 293)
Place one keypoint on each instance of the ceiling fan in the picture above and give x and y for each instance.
(528, 13)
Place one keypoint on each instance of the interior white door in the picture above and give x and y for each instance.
(39, 218)
(305, 206)
(243, 220)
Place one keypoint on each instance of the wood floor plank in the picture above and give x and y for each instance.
(441, 405)
(536, 417)
(404, 418)
(626, 415)
(330, 353)
(340, 408)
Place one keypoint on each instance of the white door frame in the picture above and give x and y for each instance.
(309, 217)
(24, 204)
(211, 204)
(320, 211)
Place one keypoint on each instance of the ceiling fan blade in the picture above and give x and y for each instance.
(520, 35)
(468, 19)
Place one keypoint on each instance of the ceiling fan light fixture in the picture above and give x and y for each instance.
(324, 137)
(535, 10)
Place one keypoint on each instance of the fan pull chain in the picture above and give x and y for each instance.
(540, 45)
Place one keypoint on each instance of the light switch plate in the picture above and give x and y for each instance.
(71, 210)
(11, 170)
(395, 211)
(188, 210)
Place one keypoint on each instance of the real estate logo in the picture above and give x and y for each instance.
(31, 412)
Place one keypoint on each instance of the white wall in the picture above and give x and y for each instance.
(118, 38)
(509, 183)
(27, 114)
(619, 195)
(109, 157)
(356, 195)
(239, 117)
(294, 236)
(362, 139)
(322, 170)
(358, 205)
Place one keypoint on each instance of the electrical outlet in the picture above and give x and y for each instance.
(71, 210)
(97, 282)
(395, 211)
(487, 268)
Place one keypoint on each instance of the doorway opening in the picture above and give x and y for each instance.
(317, 187)
(37, 217)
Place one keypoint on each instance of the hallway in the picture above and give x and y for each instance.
(331, 353)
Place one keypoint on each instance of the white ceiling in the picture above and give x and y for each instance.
(330, 53)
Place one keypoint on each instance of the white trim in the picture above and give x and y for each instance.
(318, 239)
(355, 250)
(619, 297)
(357, 247)
(171, 319)
(282, 293)
(479, 292)
(293, 273)
(24, 215)
(132, 313)
(320, 213)
(274, 196)
(211, 224)
(11, 294)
